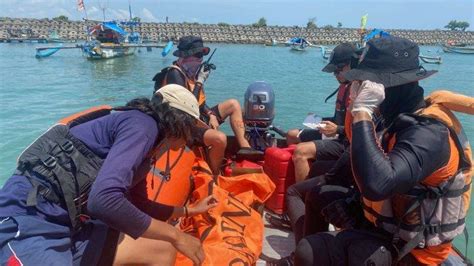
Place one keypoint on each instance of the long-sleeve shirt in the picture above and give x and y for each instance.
(420, 149)
(123, 139)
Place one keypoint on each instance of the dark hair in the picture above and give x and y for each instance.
(171, 122)
(141, 104)
(175, 123)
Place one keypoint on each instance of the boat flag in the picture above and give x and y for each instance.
(80, 5)
(363, 21)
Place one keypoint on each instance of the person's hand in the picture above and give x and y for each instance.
(329, 130)
(366, 96)
(203, 205)
(203, 74)
(190, 246)
(213, 123)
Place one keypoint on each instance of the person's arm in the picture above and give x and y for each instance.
(133, 136)
(190, 246)
(341, 130)
(165, 212)
(418, 152)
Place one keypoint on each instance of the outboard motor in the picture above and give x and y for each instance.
(259, 108)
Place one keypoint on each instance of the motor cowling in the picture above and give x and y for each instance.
(259, 105)
(259, 111)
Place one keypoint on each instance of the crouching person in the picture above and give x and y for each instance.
(415, 185)
(72, 183)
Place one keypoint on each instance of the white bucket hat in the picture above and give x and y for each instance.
(181, 98)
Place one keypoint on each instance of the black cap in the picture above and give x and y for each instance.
(190, 45)
(341, 55)
(391, 61)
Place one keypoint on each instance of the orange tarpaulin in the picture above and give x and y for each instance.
(232, 232)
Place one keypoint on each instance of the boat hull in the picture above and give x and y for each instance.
(298, 48)
(458, 49)
(431, 60)
(106, 53)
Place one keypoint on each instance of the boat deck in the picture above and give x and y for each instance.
(276, 243)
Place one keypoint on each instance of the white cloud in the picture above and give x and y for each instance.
(148, 16)
(93, 9)
(116, 14)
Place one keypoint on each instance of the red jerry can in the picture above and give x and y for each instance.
(242, 167)
(279, 167)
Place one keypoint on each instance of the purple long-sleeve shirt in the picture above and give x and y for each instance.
(123, 139)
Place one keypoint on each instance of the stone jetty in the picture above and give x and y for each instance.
(22, 28)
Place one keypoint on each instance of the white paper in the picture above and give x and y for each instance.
(313, 121)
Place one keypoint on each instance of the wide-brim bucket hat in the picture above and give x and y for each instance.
(191, 45)
(391, 61)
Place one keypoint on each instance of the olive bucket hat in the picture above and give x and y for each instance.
(391, 61)
(190, 45)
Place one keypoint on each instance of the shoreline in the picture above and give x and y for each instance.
(40, 29)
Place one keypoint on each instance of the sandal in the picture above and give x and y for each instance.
(278, 221)
(285, 261)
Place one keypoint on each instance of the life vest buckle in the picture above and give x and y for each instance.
(434, 193)
(67, 146)
(433, 229)
(49, 162)
(166, 175)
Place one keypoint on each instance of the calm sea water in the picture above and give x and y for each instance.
(34, 93)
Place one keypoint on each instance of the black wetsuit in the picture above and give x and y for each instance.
(421, 148)
(306, 221)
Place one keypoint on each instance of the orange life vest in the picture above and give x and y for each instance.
(190, 84)
(433, 213)
(86, 115)
(168, 174)
(342, 104)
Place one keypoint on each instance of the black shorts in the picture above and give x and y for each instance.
(309, 134)
(215, 110)
(329, 149)
(198, 137)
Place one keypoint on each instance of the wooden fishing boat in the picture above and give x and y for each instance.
(299, 47)
(457, 49)
(325, 53)
(431, 59)
(108, 40)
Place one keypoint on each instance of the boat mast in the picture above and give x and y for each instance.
(130, 13)
(82, 7)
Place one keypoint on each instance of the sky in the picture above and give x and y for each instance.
(385, 14)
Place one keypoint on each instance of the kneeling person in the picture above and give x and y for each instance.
(74, 181)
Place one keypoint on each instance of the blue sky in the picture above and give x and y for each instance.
(409, 14)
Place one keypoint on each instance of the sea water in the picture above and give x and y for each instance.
(35, 93)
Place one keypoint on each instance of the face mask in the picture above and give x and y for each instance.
(190, 65)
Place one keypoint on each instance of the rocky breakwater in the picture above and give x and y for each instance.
(225, 33)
